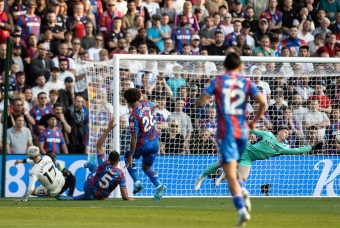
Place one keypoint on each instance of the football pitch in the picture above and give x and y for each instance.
(169, 212)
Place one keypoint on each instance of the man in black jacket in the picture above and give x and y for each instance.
(41, 64)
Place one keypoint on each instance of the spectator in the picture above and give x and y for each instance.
(298, 110)
(158, 87)
(107, 18)
(333, 129)
(275, 110)
(321, 14)
(142, 38)
(98, 45)
(32, 44)
(228, 26)
(30, 23)
(41, 8)
(43, 108)
(76, 49)
(230, 39)
(76, 23)
(41, 87)
(57, 7)
(315, 44)
(201, 6)
(16, 58)
(323, 29)
(54, 82)
(218, 26)
(61, 122)
(157, 33)
(330, 46)
(177, 81)
(114, 35)
(28, 97)
(259, 6)
(304, 89)
(264, 122)
(20, 82)
(245, 32)
(264, 47)
(207, 34)
(17, 9)
(67, 95)
(71, 65)
(312, 137)
(6, 23)
(191, 19)
(121, 6)
(263, 24)
(195, 43)
(293, 42)
(316, 118)
(304, 33)
(19, 138)
(87, 41)
(335, 29)
(237, 13)
(169, 10)
(172, 142)
(202, 143)
(249, 17)
(331, 8)
(144, 12)
(324, 101)
(53, 95)
(52, 139)
(138, 23)
(273, 15)
(153, 7)
(239, 44)
(162, 100)
(293, 126)
(18, 108)
(76, 118)
(213, 5)
(301, 17)
(210, 123)
(128, 18)
(165, 24)
(287, 15)
(181, 34)
(125, 134)
(63, 71)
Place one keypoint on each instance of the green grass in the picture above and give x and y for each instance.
(169, 212)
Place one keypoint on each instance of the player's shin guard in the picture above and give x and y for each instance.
(153, 177)
(210, 170)
(132, 169)
(238, 201)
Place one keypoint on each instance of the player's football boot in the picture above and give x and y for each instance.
(243, 217)
(198, 182)
(62, 197)
(138, 188)
(219, 180)
(93, 159)
(246, 197)
(160, 190)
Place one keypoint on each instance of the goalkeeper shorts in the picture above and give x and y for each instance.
(245, 159)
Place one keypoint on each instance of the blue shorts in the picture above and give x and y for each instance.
(147, 151)
(231, 149)
(87, 195)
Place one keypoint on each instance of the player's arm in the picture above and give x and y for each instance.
(102, 139)
(262, 102)
(125, 195)
(32, 179)
(133, 143)
(26, 160)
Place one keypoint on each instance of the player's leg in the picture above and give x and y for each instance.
(40, 191)
(229, 149)
(91, 166)
(70, 184)
(242, 174)
(132, 169)
(210, 170)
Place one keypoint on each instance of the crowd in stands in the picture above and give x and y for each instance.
(50, 39)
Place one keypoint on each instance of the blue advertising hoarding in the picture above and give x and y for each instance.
(287, 176)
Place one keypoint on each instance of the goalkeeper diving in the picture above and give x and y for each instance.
(268, 146)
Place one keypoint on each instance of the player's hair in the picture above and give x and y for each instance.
(114, 156)
(40, 94)
(232, 61)
(19, 74)
(15, 117)
(132, 95)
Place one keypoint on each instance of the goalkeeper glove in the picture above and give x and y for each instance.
(317, 146)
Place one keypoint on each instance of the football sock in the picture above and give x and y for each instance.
(153, 177)
(241, 182)
(238, 201)
(211, 169)
(132, 169)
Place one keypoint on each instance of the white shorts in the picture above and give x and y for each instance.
(58, 183)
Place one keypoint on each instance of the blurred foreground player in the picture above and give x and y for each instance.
(104, 177)
(266, 147)
(70, 179)
(43, 170)
(231, 93)
(144, 141)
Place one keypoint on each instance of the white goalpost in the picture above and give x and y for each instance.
(301, 93)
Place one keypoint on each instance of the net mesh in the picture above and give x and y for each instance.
(302, 96)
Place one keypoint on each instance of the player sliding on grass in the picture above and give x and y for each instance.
(144, 141)
(104, 177)
(231, 93)
(43, 170)
(268, 146)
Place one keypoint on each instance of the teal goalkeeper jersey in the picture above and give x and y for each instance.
(268, 147)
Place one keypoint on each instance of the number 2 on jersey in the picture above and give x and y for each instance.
(233, 99)
(148, 122)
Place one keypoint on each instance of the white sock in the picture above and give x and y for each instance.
(137, 182)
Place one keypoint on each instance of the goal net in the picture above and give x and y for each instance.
(302, 93)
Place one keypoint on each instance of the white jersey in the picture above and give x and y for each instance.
(50, 178)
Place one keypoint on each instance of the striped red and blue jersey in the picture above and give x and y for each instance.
(191, 21)
(192, 52)
(17, 9)
(30, 25)
(3, 32)
(181, 36)
(278, 51)
(31, 52)
(36, 113)
(142, 121)
(241, 14)
(52, 139)
(97, 8)
(230, 39)
(293, 45)
(106, 178)
(274, 19)
(231, 93)
(211, 126)
(101, 117)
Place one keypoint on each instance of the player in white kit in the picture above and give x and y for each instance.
(43, 170)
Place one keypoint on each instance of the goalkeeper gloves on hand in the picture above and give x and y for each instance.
(317, 146)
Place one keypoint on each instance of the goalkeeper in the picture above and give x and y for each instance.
(268, 146)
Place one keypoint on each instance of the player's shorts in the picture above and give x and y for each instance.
(148, 152)
(58, 185)
(245, 159)
(231, 149)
